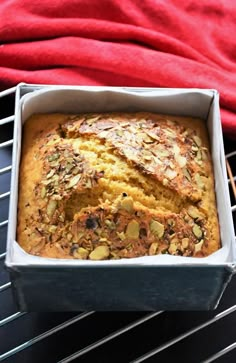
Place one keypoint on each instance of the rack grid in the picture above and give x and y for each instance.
(106, 337)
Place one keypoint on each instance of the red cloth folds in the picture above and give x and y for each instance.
(148, 43)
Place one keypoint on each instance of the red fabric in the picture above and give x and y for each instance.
(164, 43)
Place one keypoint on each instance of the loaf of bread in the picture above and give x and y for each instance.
(116, 185)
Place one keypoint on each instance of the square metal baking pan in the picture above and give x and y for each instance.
(171, 283)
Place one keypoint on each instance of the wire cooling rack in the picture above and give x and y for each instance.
(107, 337)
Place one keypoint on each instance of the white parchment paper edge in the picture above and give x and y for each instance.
(55, 99)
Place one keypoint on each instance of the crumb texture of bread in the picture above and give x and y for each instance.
(116, 185)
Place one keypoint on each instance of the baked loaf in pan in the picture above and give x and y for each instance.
(116, 185)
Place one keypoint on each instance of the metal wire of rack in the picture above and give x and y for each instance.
(157, 337)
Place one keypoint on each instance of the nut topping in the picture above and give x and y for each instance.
(198, 246)
(170, 174)
(73, 181)
(185, 243)
(153, 249)
(81, 253)
(127, 204)
(197, 231)
(187, 174)
(132, 230)
(43, 192)
(99, 253)
(197, 140)
(51, 207)
(181, 160)
(194, 213)
(157, 229)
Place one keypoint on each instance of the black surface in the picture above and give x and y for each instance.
(128, 346)
(119, 288)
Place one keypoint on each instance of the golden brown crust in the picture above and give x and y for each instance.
(116, 185)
